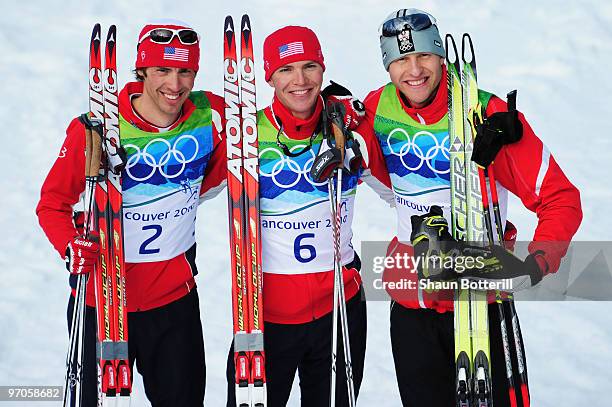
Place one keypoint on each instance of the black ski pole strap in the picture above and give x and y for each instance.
(350, 155)
(328, 159)
(118, 160)
(325, 122)
(496, 131)
(335, 114)
(353, 159)
(92, 124)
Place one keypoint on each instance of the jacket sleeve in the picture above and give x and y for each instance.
(375, 172)
(62, 189)
(528, 170)
(215, 176)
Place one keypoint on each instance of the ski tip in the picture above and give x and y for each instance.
(245, 22)
(245, 31)
(112, 33)
(95, 32)
(229, 24)
(449, 44)
(467, 40)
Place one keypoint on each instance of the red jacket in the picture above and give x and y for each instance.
(526, 168)
(300, 298)
(152, 284)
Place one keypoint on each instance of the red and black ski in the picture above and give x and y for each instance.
(114, 384)
(103, 289)
(73, 388)
(243, 203)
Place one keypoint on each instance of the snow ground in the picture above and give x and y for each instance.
(557, 54)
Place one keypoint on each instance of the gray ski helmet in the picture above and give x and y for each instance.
(409, 31)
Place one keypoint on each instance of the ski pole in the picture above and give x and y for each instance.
(339, 295)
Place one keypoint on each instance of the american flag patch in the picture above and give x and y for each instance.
(176, 54)
(292, 48)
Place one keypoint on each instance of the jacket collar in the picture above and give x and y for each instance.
(292, 126)
(435, 110)
(134, 89)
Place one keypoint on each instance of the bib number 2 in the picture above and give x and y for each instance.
(144, 247)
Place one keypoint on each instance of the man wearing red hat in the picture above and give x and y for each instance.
(175, 158)
(296, 228)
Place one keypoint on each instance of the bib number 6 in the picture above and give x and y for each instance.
(304, 252)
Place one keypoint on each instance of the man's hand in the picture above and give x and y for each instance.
(82, 255)
(340, 101)
(442, 258)
(496, 264)
(433, 246)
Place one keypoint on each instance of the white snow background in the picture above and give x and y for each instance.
(557, 54)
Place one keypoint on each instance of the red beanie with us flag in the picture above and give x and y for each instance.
(168, 43)
(290, 44)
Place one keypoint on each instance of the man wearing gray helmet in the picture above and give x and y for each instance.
(409, 118)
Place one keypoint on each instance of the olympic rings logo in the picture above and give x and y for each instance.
(285, 162)
(174, 152)
(437, 152)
